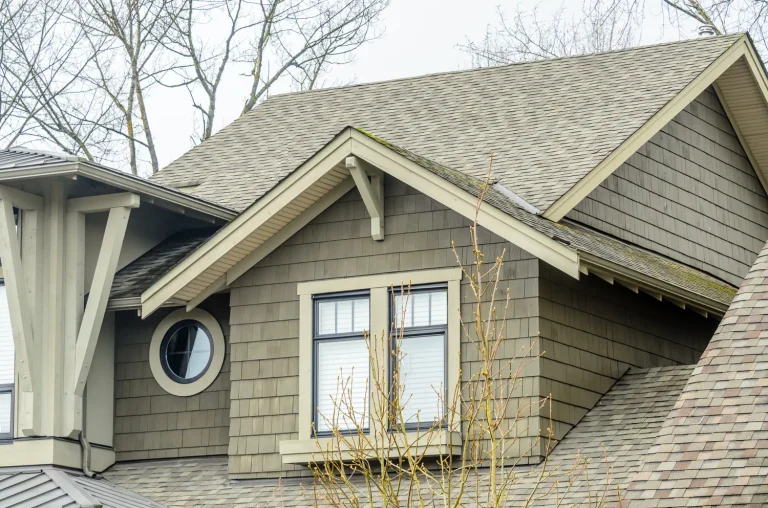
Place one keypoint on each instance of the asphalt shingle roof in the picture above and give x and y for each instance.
(713, 448)
(620, 428)
(549, 122)
(138, 275)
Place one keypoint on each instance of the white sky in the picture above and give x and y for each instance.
(420, 37)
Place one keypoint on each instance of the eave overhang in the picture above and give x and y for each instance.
(740, 81)
(150, 192)
(304, 194)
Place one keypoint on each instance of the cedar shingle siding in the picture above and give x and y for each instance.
(690, 193)
(591, 332)
(149, 422)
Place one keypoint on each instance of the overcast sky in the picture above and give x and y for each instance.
(419, 37)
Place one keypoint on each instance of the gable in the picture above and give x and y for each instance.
(549, 123)
(690, 193)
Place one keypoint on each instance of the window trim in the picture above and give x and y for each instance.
(336, 337)
(9, 388)
(419, 331)
(198, 385)
(296, 451)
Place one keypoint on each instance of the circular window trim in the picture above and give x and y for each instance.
(166, 382)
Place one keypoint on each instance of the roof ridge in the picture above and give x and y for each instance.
(643, 47)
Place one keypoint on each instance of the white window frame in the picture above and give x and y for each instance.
(9, 388)
(303, 449)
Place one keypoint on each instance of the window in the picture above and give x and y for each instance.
(187, 352)
(333, 315)
(341, 362)
(421, 321)
(7, 368)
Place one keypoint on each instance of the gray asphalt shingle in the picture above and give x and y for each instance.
(549, 122)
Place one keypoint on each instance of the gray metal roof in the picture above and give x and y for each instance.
(50, 487)
(21, 157)
(549, 122)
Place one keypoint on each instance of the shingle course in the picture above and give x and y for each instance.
(619, 430)
(717, 430)
(549, 122)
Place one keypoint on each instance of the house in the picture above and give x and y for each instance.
(181, 335)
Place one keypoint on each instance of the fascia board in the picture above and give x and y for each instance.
(578, 192)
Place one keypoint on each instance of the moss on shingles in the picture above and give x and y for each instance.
(581, 239)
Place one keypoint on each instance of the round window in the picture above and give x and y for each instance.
(186, 351)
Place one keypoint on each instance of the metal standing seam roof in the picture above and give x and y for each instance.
(549, 122)
(51, 487)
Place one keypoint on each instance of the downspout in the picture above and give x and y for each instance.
(86, 447)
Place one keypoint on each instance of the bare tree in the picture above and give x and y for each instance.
(600, 25)
(273, 38)
(126, 41)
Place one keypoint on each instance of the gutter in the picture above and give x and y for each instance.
(123, 181)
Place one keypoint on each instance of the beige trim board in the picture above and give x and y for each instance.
(439, 443)
(741, 48)
(349, 143)
(378, 285)
(52, 451)
(214, 368)
(383, 280)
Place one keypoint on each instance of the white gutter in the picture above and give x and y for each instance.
(121, 180)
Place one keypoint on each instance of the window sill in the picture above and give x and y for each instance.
(305, 451)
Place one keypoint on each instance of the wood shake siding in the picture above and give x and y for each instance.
(592, 332)
(151, 423)
(690, 193)
(265, 309)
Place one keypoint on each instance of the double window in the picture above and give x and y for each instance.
(342, 359)
(7, 368)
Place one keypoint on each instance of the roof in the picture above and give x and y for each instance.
(713, 448)
(561, 244)
(585, 240)
(622, 426)
(549, 122)
(18, 163)
(51, 487)
(138, 275)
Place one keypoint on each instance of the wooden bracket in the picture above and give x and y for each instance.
(103, 203)
(25, 344)
(20, 199)
(372, 192)
(104, 274)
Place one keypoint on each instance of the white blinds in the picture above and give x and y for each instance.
(6, 341)
(342, 316)
(423, 308)
(422, 378)
(5, 412)
(342, 384)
